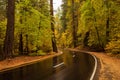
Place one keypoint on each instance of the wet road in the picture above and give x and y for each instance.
(69, 66)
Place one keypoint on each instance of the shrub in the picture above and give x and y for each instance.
(113, 47)
(39, 53)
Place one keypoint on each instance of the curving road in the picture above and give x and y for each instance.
(69, 66)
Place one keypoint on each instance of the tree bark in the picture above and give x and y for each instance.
(9, 38)
(52, 28)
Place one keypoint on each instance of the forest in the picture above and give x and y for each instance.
(30, 27)
(93, 23)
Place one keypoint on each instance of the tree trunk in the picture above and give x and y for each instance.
(107, 21)
(9, 38)
(107, 30)
(1, 52)
(97, 32)
(21, 39)
(74, 26)
(21, 44)
(85, 41)
(52, 27)
(27, 47)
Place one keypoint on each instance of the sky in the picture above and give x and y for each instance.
(56, 4)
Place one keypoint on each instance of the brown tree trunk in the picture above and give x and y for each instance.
(74, 25)
(9, 38)
(107, 21)
(52, 27)
(1, 52)
(21, 39)
(107, 30)
(27, 47)
(86, 39)
(21, 43)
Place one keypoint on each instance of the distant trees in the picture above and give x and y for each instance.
(91, 23)
(70, 21)
(113, 18)
(33, 26)
(97, 23)
(33, 30)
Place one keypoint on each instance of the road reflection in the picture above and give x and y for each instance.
(69, 66)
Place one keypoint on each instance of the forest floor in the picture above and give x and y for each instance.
(23, 60)
(108, 66)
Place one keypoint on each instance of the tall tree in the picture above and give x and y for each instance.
(107, 20)
(64, 13)
(74, 22)
(52, 27)
(9, 38)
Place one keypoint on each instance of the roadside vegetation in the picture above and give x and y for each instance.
(92, 23)
(33, 29)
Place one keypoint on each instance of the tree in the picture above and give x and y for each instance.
(64, 13)
(52, 27)
(75, 17)
(9, 38)
(70, 21)
(2, 25)
(112, 45)
(33, 22)
(74, 25)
